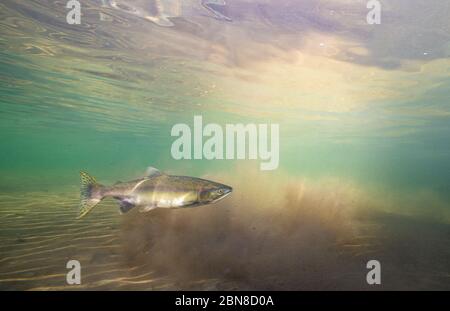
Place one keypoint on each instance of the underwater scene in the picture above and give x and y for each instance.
(225, 145)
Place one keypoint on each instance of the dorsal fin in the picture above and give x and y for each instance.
(152, 172)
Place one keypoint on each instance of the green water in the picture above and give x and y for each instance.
(364, 105)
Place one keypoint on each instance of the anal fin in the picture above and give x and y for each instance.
(147, 208)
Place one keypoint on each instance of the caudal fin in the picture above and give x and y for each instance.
(90, 194)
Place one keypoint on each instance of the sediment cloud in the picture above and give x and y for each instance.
(269, 234)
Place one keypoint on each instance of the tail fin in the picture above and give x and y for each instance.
(90, 194)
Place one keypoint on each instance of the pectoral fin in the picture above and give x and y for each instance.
(125, 206)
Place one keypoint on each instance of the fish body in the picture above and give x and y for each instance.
(156, 190)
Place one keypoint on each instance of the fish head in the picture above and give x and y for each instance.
(213, 192)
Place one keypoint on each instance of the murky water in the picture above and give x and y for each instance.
(364, 155)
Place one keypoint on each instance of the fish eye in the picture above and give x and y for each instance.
(220, 191)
